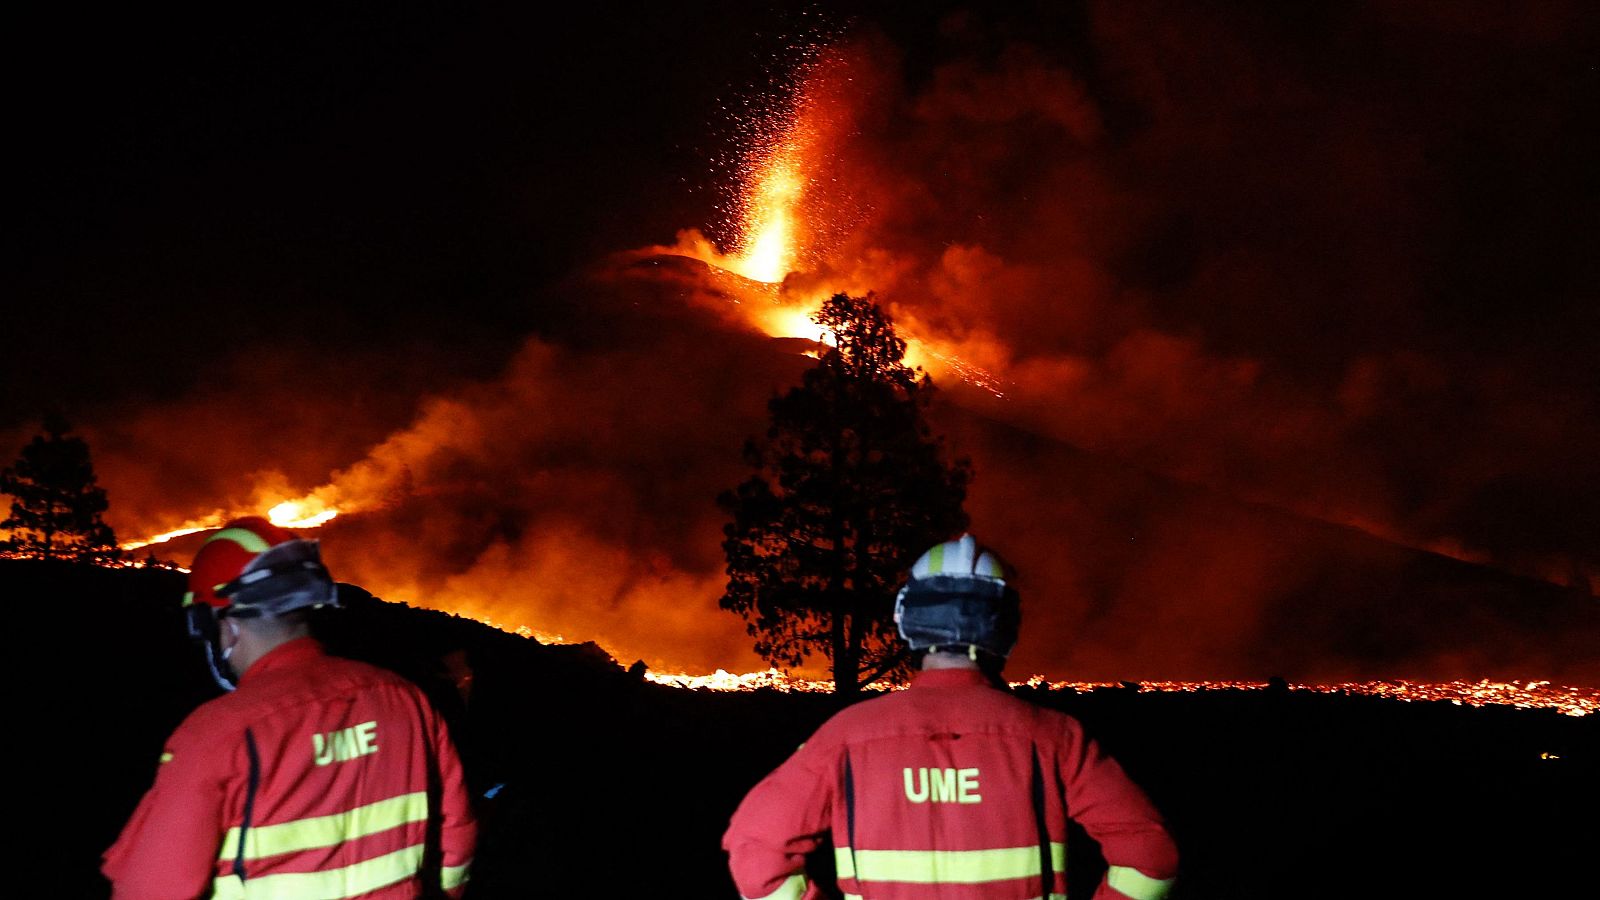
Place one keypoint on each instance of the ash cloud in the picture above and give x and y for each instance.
(1327, 260)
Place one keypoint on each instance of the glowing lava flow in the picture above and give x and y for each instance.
(771, 679)
(1570, 701)
(307, 512)
(1565, 699)
(215, 520)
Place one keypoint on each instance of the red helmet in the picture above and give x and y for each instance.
(251, 566)
(225, 554)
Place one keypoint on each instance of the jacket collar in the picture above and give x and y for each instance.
(289, 654)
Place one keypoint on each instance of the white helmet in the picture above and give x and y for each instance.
(957, 595)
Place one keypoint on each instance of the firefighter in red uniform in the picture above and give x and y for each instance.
(318, 777)
(952, 789)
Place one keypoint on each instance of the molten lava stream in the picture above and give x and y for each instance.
(308, 513)
(1572, 701)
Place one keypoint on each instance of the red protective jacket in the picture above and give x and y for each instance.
(338, 775)
(952, 790)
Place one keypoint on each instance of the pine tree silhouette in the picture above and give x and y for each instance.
(56, 504)
(850, 487)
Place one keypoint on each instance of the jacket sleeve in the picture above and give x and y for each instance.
(169, 848)
(1115, 812)
(783, 818)
(458, 830)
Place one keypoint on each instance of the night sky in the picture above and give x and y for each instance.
(1336, 262)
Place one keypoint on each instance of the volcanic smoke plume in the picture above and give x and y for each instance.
(1195, 292)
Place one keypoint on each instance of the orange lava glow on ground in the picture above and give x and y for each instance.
(1571, 701)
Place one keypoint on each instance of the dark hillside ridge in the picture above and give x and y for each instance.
(610, 781)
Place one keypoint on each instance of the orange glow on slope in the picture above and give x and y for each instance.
(215, 520)
(309, 511)
(796, 322)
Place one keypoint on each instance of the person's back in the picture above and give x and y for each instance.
(317, 777)
(955, 781)
(952, 788)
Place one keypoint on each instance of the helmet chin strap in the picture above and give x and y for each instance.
(217, 659)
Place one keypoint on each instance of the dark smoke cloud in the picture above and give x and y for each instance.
(1331, 260)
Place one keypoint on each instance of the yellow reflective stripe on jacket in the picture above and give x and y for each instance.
(945, 866)
(331, 884)
(454, 876)
(326, 831)
(1137, 884)
(793, 888)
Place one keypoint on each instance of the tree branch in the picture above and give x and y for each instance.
(889, 664)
